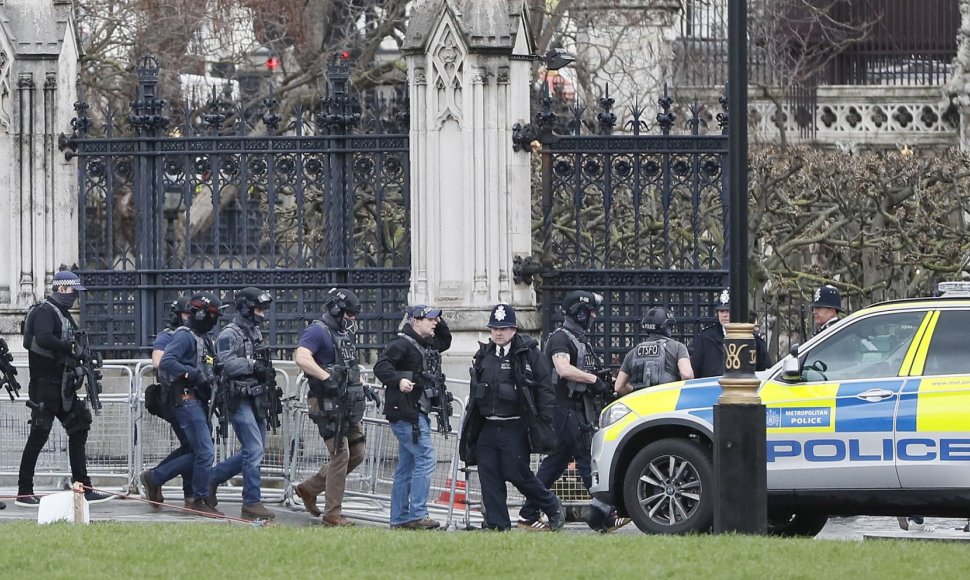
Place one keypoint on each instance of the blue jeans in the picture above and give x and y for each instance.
(191, 417)
(252, 437)
(412, 479)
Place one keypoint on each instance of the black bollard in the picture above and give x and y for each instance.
(740, 469)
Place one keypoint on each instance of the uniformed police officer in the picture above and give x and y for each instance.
(187, 365)
(247, 382)
(183, 454)
(327, 355)
(826, 306)
(49, 339)
(580, 394)
(511, 387)
(658, 359)
(708, 357)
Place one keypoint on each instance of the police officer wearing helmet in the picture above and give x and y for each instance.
(580, 393)
(708, 357)
(187, 365)
(247, 382)
(49, 339)
(327, 355)
(658, 359)
(511, 389)
(826, 306)
(158, 399)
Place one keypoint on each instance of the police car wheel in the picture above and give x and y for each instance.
(793, 525)
(668, 488)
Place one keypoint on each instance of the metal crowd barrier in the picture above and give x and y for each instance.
(125, 439)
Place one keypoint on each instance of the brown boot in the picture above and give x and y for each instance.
(153, 493)
(256, 511)
(336, 522)
(309, 500)
(205, 510)
(189, 502)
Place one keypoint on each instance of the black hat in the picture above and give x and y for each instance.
(658, 320)
(827, 296)
(723, 300)
(503, 316)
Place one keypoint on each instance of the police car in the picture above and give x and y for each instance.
(871, 417)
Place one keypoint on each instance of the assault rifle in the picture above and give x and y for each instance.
(82, 368)
(433, 382)
(8, 372)
(271, 401)
(219, 404)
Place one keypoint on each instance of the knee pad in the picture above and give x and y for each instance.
(77, 420)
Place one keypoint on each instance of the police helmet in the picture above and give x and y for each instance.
(204, 311)
(658, 320)
(723, 300)
(341, 301)
(578, 305)
(179, 305)
(503, 316)
(827, 296)
(250, 298)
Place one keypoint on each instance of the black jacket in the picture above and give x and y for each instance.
(401, 360)
(531, 371)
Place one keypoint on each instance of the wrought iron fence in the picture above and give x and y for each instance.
(294, 201)
(637, 215)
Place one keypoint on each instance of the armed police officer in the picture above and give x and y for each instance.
(826, 306)
(49, 337)
(511, 390)
(581, 393)
(248, 385)
(708, 357)
(327, 355)
(187, 366)
(658, 359)
(160, 402)
(410, 368)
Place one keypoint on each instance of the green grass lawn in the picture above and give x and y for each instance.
(132, 551)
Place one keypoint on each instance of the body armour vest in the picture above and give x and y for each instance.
(585, 359)
(649, 364)
(203, 356)
(430, 368)
(67, 330)
(345, 352)
(496, 394)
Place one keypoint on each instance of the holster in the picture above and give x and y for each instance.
(78, 419)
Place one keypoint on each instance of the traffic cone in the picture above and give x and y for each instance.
(460, 496)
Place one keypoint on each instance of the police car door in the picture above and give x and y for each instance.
(833, 427)
(933, 419)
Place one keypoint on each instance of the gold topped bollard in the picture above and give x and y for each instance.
(740, 467)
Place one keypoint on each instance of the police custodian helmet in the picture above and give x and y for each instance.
(503, 316)
(827, 296)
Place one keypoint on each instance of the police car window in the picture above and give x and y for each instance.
(948, 351)
(869, 348)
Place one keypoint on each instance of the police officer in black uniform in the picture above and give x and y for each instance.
(708, 357)
(511, 387)
(580, 394)
(49, 339)
(826, 306)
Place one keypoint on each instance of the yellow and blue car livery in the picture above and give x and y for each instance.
(876, 420)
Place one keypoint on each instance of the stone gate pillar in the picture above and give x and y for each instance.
(958, 88)
(469, 68)
(38, 187)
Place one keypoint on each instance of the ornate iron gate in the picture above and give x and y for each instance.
(295, 203)
(636, 217)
